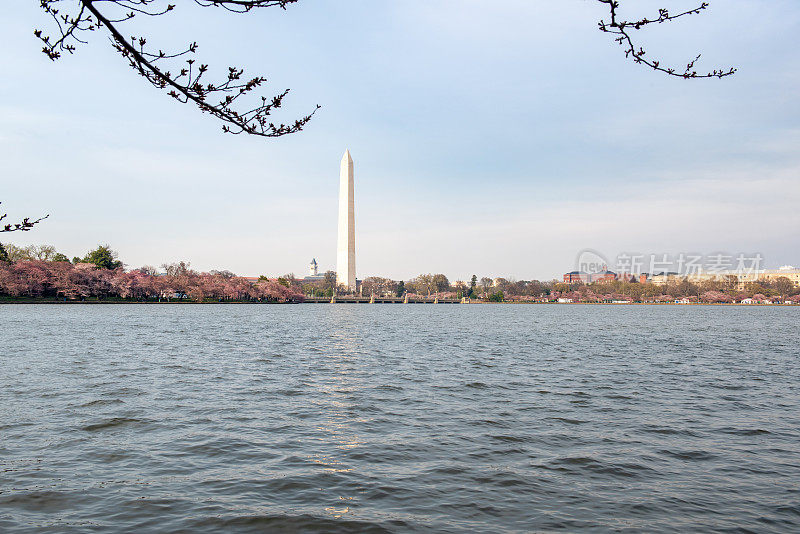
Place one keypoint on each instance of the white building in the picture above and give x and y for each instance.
(313, 272)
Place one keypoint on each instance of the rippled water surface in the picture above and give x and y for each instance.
(488, 418)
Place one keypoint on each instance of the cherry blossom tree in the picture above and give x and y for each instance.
(715, 297)
(27, 278)
(196, 293)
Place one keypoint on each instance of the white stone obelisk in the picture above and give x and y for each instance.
(346, 248)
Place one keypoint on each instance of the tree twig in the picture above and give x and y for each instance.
(622, 29)
(189, 84)
(23, 226)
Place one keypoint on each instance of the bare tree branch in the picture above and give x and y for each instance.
(223, 99)
(622, 29)
(220, 99)
(23, 226)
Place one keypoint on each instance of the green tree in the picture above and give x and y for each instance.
(329, 281)
(16, 253)
(422, 284)
(486, 283)
(378, 286)
(440, 283)
(44, 252)
(60, 257)
(401, 288)
(103, 257)
(496, 297)
(31, 252)
(783, 286)
(473, 283)
(3, 253)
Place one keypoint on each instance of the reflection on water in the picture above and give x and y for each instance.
(389, 418)
(338, 388)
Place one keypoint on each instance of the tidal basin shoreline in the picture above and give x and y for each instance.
(366, 301)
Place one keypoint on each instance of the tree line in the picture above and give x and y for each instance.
(503, 289)
(710, 291)
(42, 272)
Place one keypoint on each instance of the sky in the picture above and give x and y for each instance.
(497, 139)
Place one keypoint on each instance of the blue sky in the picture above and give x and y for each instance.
(491, 138)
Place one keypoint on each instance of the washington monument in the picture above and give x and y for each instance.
(346, 248)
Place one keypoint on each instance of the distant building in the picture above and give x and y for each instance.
(576, 277)
(581, 277)
(737, 279)
(605, 276)
(787, 271)
(664, 278)
(741, 279)
(313, 272)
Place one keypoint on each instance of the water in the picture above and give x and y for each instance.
(502, 418)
